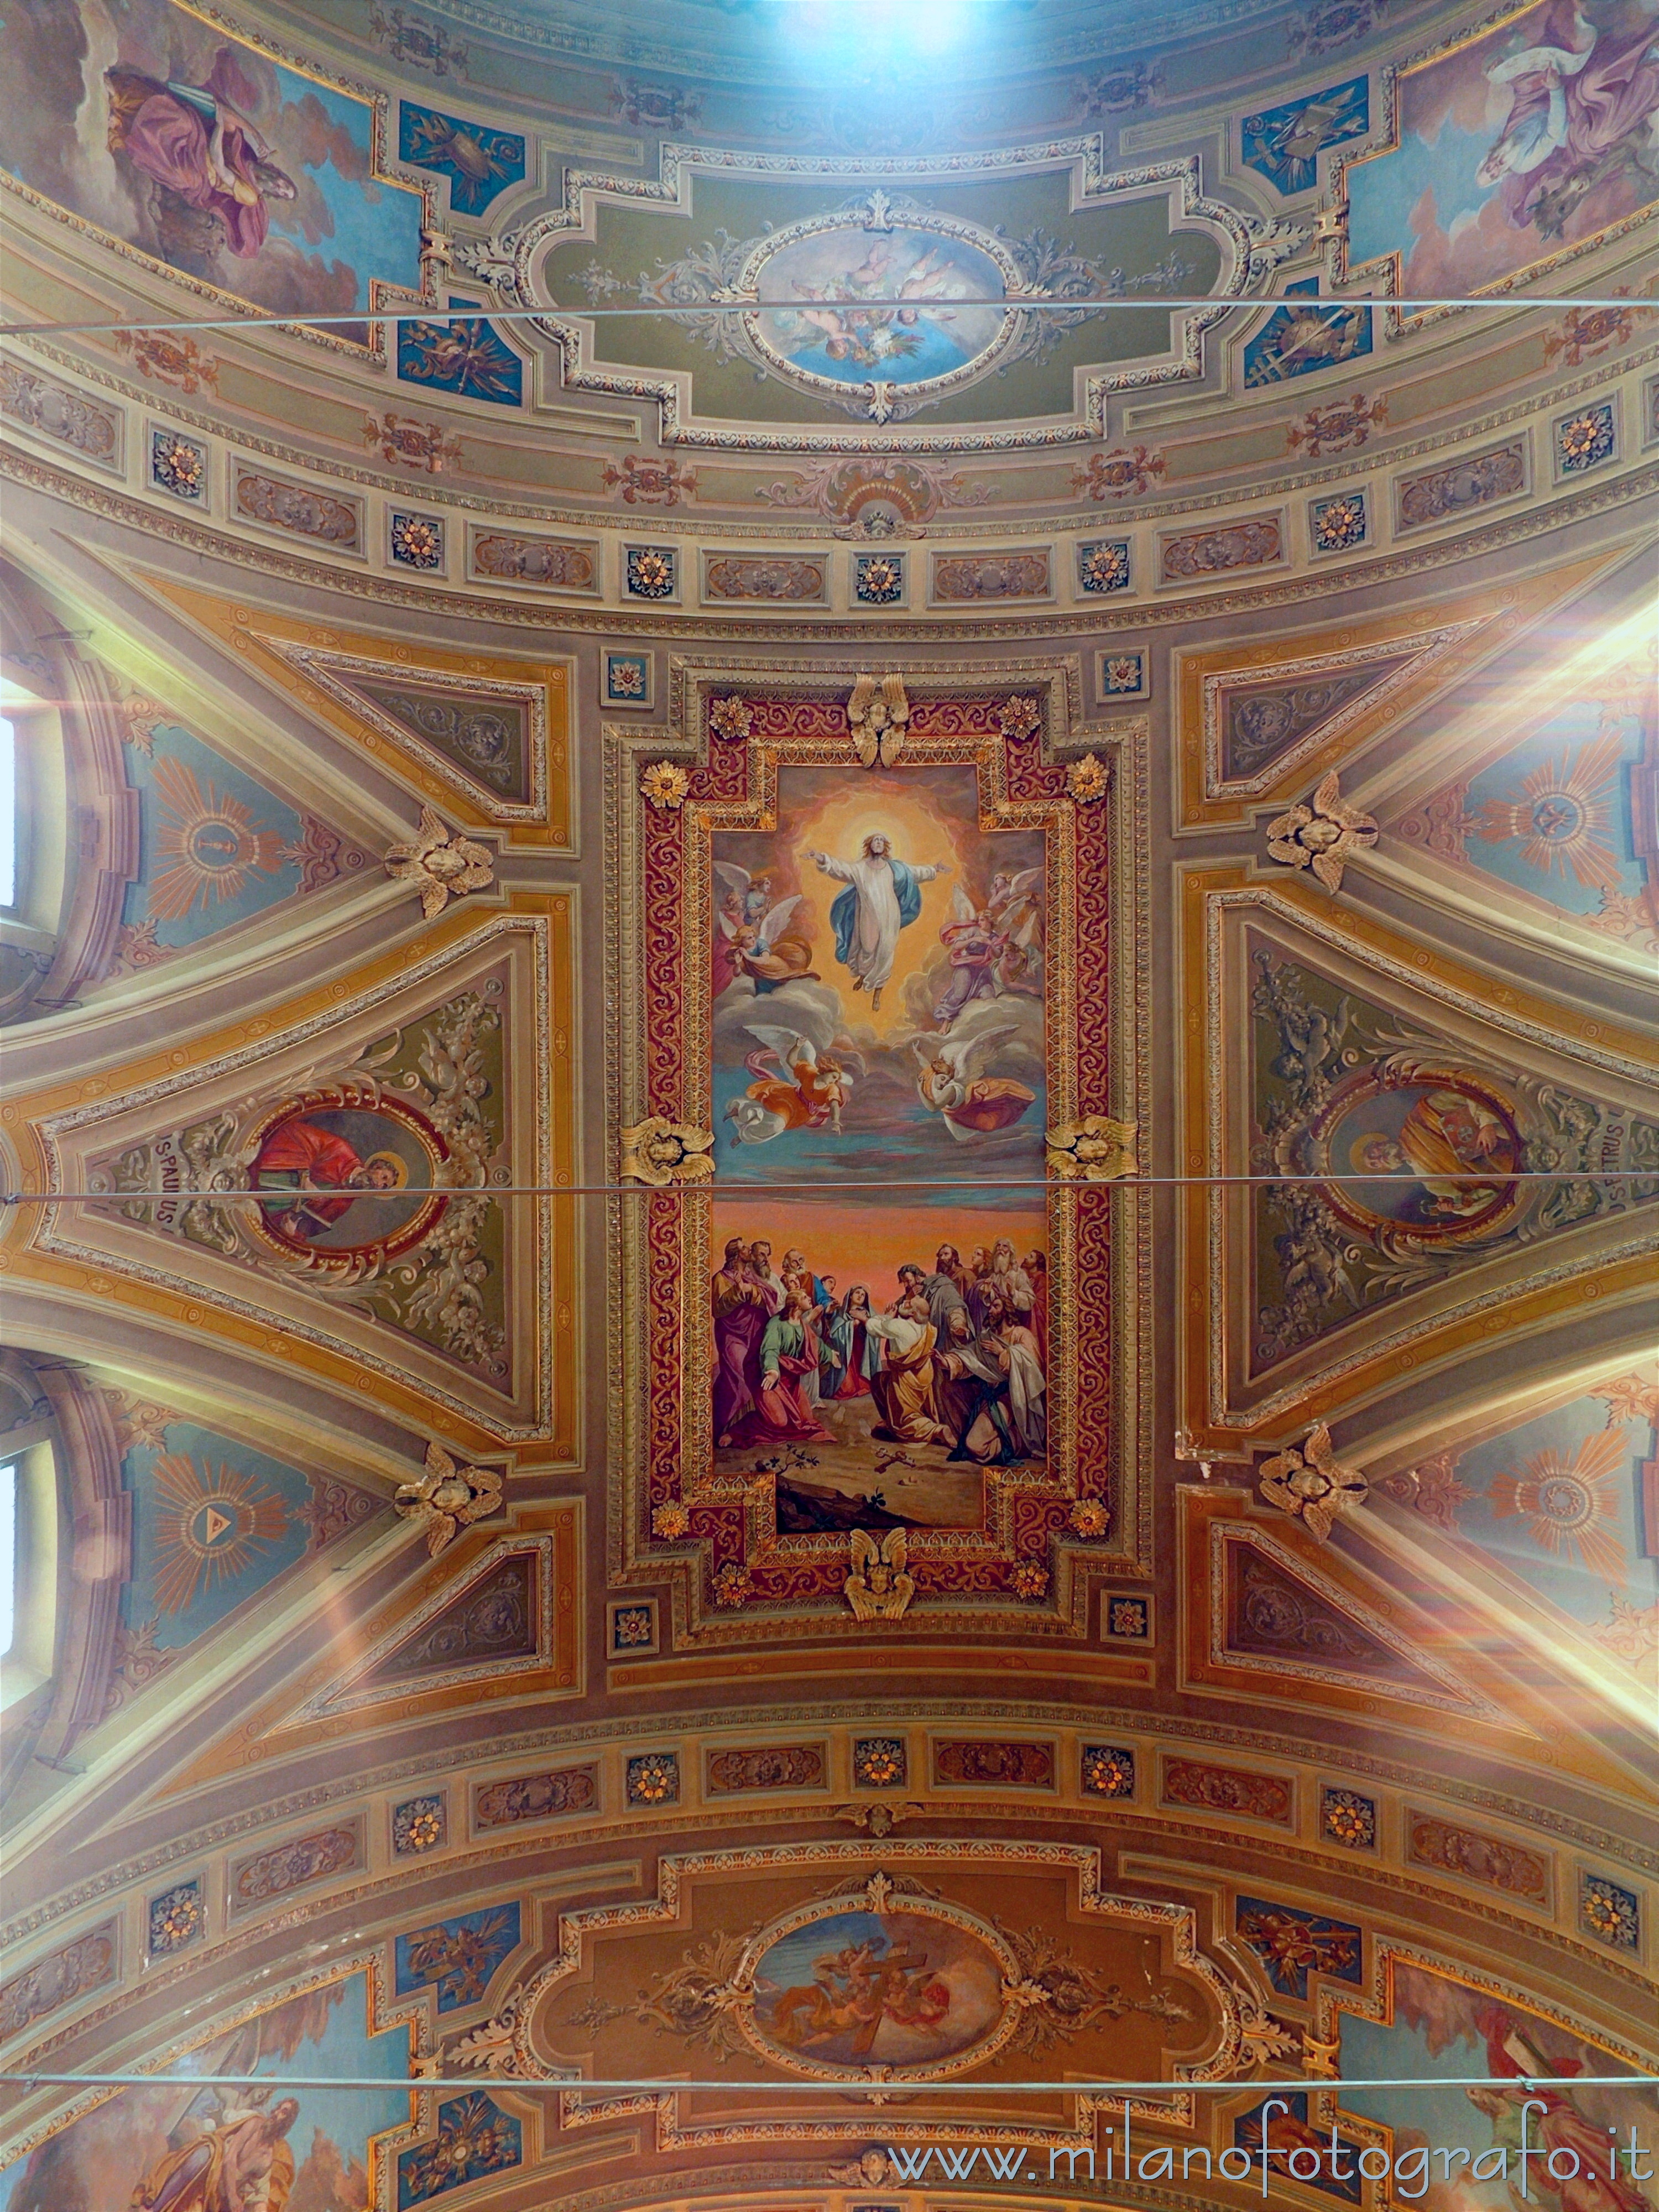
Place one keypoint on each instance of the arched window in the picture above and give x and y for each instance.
(68, 839)
(65, 1520)
(30, 1517)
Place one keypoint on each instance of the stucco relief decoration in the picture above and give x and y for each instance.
(1088, 780)
(892, 495)
(879, 715)
(657, 1153)
(447, 1497)
(665, 784)
(440, 864)
(891, 1981)
(364, 1184)
(877, 1587)
(1323, 834)
(845, 976)
(1310, 1483)
(1094, 1149)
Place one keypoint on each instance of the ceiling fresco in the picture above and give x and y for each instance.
(215, 157)
(831, 1109)
(886, 305)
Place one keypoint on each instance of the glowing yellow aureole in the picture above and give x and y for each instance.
(838, 825)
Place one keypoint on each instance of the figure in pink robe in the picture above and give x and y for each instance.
(1581, 104)
(195, 141)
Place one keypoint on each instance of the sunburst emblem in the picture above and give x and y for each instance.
(1568, 1502)
(210, 1527)
(1567, 816)
(210, 844)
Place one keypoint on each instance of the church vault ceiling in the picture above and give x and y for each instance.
(828, 1302)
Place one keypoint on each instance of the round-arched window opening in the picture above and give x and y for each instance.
(29, 1527)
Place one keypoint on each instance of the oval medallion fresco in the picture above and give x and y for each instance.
(336, 1177)
(1433, 1155)
(857, 304)
(857, 1989)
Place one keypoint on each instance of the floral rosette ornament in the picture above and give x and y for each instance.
(731, 719)
(733, 1585)
(1088, 779)
(1311, 1485)
(1028, 1579)
(670, 1521)
(665, 785)
(1019, 717)
(1089, 1516)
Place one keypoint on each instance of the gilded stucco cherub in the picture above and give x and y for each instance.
(447, 1496)
(1310, 1484)
(879, 715)
(878, 1587)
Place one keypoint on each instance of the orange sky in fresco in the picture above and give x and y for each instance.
(869, 1244)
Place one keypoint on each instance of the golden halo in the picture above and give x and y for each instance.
(394, 1160)
(1357, 1160)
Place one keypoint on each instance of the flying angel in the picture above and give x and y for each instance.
(951, 1083)
(752, 933)
(796, 1086)
(1013, 908)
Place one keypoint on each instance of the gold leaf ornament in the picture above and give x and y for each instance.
(1096, 1149)
(1323, 836)
(1088, 779)
(878, 1586)
(879, 715)
(656, 1152)
(1310, 1485)
(447, 1497)
(442, 865)
(665, 785)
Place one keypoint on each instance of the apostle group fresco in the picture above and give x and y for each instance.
(878, 973)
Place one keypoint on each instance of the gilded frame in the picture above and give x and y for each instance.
(659, 1053)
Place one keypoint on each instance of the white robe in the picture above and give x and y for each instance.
(875, 934)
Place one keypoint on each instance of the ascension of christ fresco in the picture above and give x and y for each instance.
(877, 972)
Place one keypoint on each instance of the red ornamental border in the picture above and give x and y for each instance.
(736, 1537)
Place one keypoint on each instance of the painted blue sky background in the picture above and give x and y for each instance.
(1561, 1576)
(1383, 194)
(209, 1451)
(1566, 733)
(377, 227)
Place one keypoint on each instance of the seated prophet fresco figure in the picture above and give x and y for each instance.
(194, 141)
(238, 2161)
